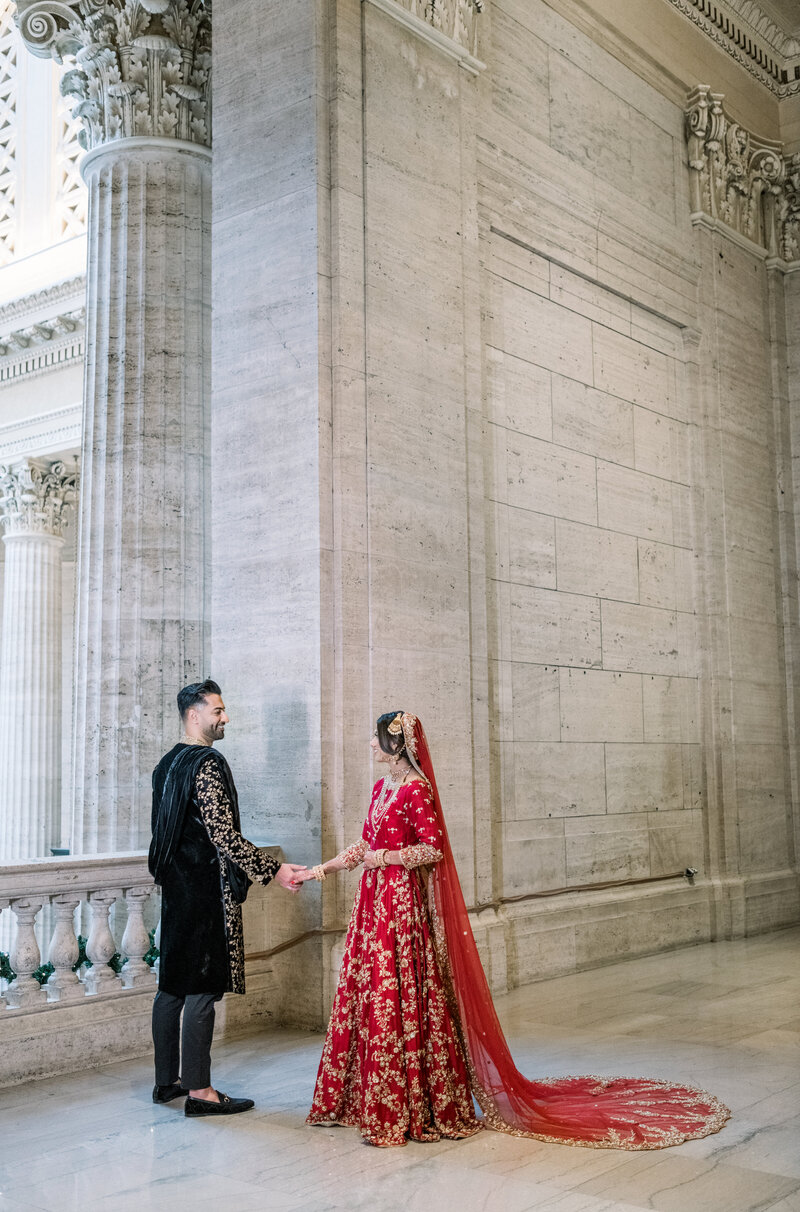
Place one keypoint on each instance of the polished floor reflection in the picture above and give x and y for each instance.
(724, 1016)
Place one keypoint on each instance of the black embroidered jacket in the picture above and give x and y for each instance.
(195, 837)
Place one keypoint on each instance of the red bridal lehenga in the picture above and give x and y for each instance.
(413, 1033)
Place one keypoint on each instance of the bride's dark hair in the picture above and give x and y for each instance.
(393, 743)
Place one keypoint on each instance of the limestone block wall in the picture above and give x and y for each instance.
(597, 723)
(501, 439)
(596, 755)
(632, 499)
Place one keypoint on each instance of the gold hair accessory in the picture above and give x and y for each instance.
(396, 726)
(408, 724)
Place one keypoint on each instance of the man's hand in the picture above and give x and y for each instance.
(286, 876)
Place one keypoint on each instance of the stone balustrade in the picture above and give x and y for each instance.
(68, 884)
(78, 1020)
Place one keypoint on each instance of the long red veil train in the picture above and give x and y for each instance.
(600, 1113)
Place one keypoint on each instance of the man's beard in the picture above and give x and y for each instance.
(214, 733)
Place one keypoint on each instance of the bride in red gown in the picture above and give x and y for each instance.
(413, 1034)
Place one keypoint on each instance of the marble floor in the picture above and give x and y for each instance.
(724, 1016)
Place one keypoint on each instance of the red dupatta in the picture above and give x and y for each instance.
(601, 1113)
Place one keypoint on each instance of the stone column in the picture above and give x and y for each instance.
(141, 83)
(32, 506)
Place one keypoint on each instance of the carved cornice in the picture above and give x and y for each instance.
(142, 67)
(450, 25)
(48, 433)
(751, 37)
(51, 297)
(741, 180)
(36, 496)
(754, 16)
(44, 360)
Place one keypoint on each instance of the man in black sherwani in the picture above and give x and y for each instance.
(204, 867)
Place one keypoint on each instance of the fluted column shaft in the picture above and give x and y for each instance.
(140, 74)
(33, 501)
(30, 703)
(140, 608)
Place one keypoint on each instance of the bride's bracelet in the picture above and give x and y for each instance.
(319, 872)
(380, 856)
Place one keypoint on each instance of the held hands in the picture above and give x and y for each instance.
(303, 874)
(287, 876)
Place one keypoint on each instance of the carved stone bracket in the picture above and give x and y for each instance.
(39, 334)
(142, 67)
(740, 179)
(451, 25)
(36, 497)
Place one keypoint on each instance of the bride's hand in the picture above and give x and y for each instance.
(371, 860)
(302, 876)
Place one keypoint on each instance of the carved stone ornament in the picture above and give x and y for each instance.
(791, 208)
(454, 19)
(39, 334)
(34, 497)
(741, 180)
(142, 67)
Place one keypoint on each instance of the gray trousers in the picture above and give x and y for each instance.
(186, 1055)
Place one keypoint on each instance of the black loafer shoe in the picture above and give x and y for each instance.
(225, 1106)
(165, 1094)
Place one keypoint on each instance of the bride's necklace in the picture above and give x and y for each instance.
(385, 796)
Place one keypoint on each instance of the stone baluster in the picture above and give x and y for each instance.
(3, 905)
(141, 80)
(100, 945)
(64, 985)
(34, 496)
(25, 957)
(136, 941)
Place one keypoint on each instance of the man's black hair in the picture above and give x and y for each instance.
(194, 693)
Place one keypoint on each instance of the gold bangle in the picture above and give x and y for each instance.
(319, 872)
(382, 863)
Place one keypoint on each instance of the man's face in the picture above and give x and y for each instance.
(210, 718)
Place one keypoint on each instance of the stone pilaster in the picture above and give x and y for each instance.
(34, 498)
(141, 82)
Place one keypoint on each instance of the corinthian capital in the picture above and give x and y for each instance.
(142, 67)
(740, 179)
(35, 496)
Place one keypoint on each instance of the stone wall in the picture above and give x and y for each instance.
(501, 439)
(633, 506)
(270, 473)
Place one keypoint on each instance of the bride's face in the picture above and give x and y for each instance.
(377, 753)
